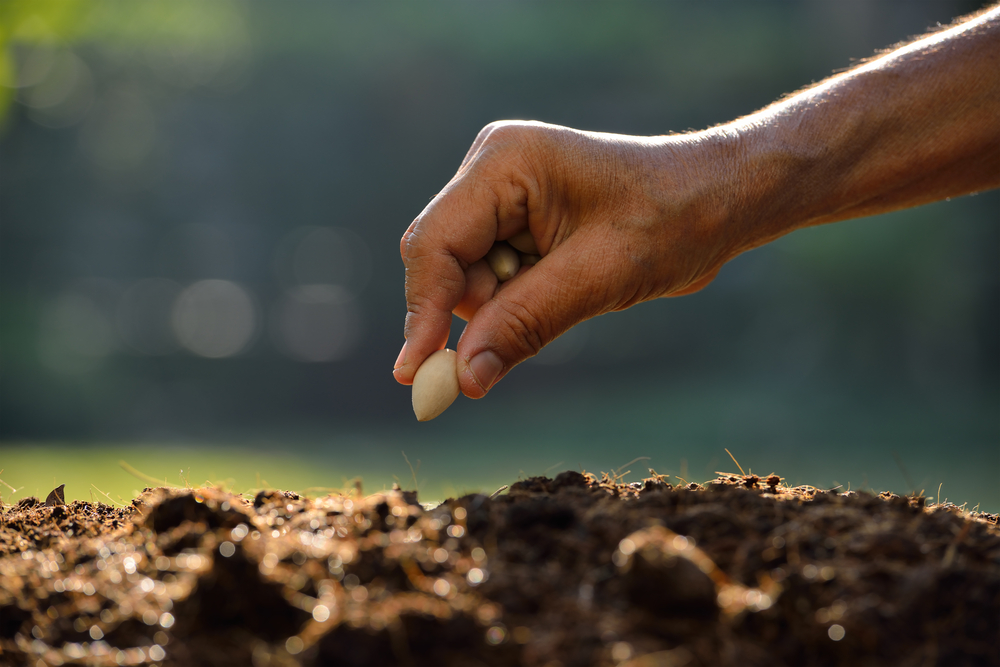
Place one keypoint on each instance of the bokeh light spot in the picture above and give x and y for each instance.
(321, 613)
(63, 90)
(496, 635)
(214, 318)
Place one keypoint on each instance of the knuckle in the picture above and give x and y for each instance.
(422, 312)
(508, 133)
(432, 288)
(410, 246)
(410, 242)
(403, 243)
(500, 129)
(492, 130)
(505, 132)
(417, 305)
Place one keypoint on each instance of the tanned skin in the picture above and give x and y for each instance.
(621, 219)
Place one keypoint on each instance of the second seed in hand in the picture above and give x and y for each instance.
(524, 242)
(503, 260)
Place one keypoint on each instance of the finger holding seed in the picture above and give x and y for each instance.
(503, 260)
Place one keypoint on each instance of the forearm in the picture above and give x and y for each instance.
(919, 124)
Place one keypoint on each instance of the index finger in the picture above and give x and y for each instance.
(456, 229)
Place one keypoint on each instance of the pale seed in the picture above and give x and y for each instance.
(435, 386)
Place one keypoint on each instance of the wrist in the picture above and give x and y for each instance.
(773, 182)
(709, 195)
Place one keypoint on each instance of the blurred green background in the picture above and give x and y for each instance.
(200, 208)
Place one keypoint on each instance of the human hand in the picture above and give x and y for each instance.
(618, 220)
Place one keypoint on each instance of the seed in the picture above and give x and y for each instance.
(524, 242)
(503, 260)
(435, 386)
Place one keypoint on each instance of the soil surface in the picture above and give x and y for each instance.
(576, 570)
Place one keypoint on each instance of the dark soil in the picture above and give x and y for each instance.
(571, 571)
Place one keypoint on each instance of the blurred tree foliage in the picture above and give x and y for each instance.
(186, 28)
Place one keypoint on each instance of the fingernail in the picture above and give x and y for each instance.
(486, 366)
(400, 359)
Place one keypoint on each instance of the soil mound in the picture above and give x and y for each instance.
(576, 570)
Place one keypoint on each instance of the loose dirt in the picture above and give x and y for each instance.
(576, 570)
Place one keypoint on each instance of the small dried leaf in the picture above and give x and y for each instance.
(56, 497)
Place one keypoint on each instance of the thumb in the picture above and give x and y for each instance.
(526, 314)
